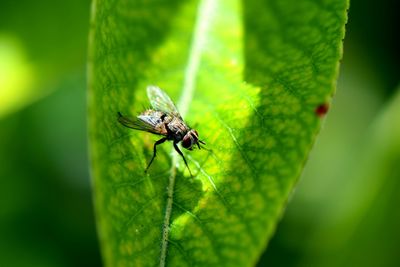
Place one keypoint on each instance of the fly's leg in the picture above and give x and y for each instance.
(162, 140)
(180, 153)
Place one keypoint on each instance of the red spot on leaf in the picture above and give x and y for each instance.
(322, 109)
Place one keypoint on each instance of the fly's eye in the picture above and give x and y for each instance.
(186, 142)
(194, 135)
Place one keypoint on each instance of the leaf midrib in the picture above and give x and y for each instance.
(203, 21)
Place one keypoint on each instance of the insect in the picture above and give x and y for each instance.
(163, 119)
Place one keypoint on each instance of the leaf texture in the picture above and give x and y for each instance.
(250, 77)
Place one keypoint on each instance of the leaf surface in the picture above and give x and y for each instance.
(252, 78)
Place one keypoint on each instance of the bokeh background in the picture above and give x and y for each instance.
(343, 213)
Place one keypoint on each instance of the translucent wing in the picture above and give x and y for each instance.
(142, 123)
(159, 100)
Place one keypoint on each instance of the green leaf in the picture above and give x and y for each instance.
(249, 78)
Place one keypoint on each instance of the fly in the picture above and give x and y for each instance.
(163, 119)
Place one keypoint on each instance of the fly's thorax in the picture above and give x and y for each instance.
(177, 128)
(190, 139)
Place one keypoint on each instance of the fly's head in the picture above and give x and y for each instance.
(190, 139)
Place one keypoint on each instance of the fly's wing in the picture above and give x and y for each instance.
(160, 101)
(142, 123)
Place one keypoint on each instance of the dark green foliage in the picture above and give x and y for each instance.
(250, 76)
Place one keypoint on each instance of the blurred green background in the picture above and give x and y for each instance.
(341, 214)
